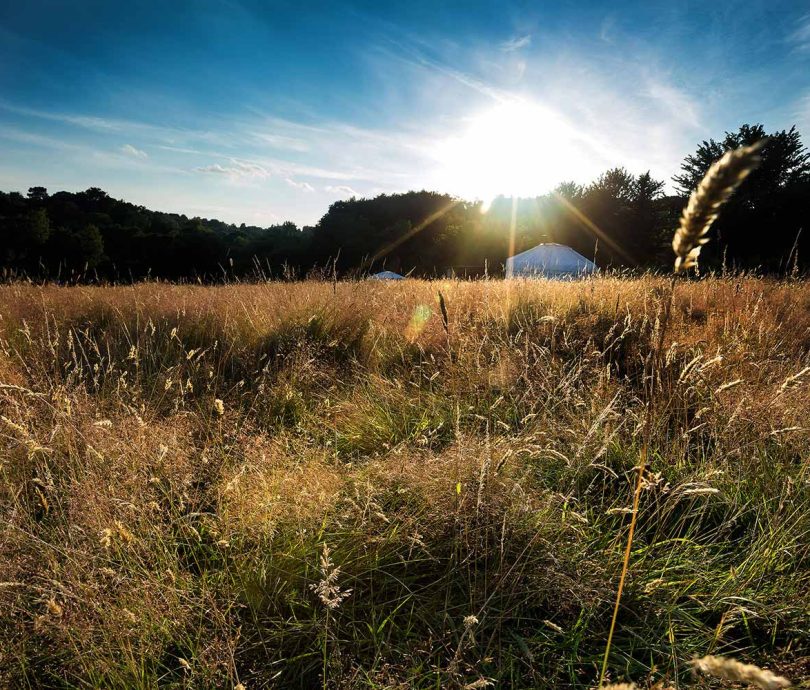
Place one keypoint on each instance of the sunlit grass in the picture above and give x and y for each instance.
(175, 459)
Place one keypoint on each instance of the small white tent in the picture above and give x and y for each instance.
(549, 260)
(386, 275)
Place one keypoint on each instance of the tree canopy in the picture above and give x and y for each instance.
(620, 220)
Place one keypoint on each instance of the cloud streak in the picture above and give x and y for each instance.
(130, 150)
(236, 170)
(341, 190)
(800, 37)
(303, 186)
(516, 43)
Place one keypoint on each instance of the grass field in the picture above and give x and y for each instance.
(331, 485)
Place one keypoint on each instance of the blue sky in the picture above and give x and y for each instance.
(259, 112)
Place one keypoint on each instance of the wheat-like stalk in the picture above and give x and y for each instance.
(733, 670)
(719, 183)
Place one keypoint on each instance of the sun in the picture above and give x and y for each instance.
(517, 148)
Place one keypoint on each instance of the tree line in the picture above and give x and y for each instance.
(620, 220)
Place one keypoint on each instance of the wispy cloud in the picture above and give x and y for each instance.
(341, 190)
(236, 169)
(22, 136)
(132, 129)
(130, 150)
(411, 53)
(78, 120)
(800, 36)
(304, 186)
(678, 102)
(802, 113)
(279, 141)
(607, 30)
(216, 168)
(516, 43)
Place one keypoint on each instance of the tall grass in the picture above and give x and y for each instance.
(703, 208)
(186, 471)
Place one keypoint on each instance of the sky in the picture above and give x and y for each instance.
(261, 112)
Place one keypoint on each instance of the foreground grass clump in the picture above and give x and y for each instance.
(308, 485)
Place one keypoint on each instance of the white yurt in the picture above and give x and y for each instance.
(386, 275)
(549, 260)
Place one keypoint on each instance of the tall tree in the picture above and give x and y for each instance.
(619, 208)
(38, 194)
(785, 160)
(570, 191)
(36, 227)
(90, 246)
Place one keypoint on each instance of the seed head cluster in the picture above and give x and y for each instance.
(704, 205)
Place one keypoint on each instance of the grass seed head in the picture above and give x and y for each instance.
(327, 588)
(737, 672)
(54, 608)
(719, 183)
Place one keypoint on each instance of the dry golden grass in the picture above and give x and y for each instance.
(175, 459)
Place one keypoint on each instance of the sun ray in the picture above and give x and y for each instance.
(388, 248)
(594, 228)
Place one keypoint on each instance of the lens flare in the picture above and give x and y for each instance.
(421, 315)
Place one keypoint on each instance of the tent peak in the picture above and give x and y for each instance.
(549, 259)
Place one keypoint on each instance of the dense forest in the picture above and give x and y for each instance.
(622, 220)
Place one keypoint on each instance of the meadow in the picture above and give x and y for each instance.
(401, 485)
